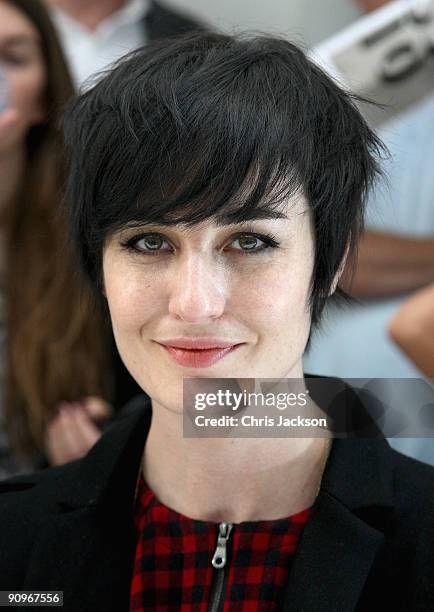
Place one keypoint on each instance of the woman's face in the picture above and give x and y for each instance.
(23, 65)
(224, 283)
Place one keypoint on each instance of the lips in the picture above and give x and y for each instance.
(197, 343)
(198, 357)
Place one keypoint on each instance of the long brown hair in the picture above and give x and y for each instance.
(56, 335)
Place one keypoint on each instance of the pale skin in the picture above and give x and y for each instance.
(201, 283)
(412, 328)
(73, 431)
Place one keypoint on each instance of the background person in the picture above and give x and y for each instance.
(54, 348)
(396, 252)
(395, 258)
(95, 33)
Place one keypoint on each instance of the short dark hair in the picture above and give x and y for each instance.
(224, 127)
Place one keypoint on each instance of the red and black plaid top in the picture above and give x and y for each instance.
(173, 570)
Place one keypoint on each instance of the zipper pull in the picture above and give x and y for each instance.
(219, 558)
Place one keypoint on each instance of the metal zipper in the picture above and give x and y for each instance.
(219, 562)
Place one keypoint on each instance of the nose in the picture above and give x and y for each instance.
(197, 291)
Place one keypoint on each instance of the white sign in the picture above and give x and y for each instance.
(386, 56)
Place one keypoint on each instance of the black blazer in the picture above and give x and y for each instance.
(369, 544)
(161, 21)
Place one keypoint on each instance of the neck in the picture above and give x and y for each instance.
(89, 13)
(228, 479)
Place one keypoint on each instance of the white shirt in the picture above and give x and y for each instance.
(90, 51)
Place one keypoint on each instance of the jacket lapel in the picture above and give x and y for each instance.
(163, 22)
(336, 554)
(86, 548)
(87, 558)
(345, 531)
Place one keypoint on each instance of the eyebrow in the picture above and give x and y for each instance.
(225, 220)
(254, 215)
(20, 39)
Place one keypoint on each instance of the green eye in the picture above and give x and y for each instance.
(249, 243)
(148, 243)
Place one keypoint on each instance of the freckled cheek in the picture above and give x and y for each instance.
(278, 298)
(133, 298)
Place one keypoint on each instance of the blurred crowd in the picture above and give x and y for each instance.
(61, 379)
(389, 333)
